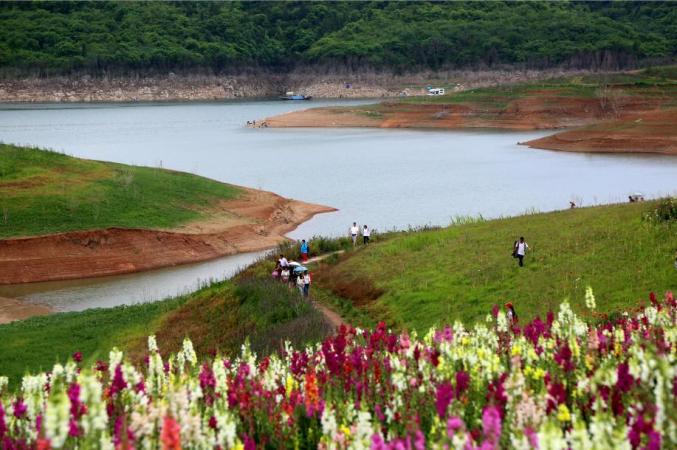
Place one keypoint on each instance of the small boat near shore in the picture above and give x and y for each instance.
(294, 96)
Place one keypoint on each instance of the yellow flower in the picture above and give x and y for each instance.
(532, 354)
(238, 446)
(539, 374)
(516, 350)
(563, 413)
(528, 371)
(345, 430)
(588, 362)
(289, 385)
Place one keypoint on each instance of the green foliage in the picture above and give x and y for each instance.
(37, 343)
(270, 313)
(46, 192)
(219, 317)
(665, 212)
(417, 279)
(99, 37)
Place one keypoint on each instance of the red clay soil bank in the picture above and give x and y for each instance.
(650, 132)
(256, 222)
(532, 113)
(637, 126)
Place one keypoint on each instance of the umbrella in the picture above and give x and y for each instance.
(298, 269)
(294, 263)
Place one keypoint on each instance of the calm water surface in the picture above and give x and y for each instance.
(385, 178)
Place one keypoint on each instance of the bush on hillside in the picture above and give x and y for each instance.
(664, 212)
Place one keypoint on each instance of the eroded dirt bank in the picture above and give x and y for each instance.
(638, 125)
(257, 221)
(651, 132)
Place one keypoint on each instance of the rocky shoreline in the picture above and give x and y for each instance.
(199, 87)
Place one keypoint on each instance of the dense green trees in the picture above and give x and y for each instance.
(60, 37)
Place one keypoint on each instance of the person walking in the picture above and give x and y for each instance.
(306, 284)
(300, 284)
(354, 230)
(511, 314)
(365, 235)
(520, 250)
(304, 251)
(282, 262)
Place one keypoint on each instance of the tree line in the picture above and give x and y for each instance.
(49, 38)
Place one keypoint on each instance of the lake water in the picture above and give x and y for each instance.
(385, 178)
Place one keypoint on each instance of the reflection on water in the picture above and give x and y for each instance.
(76, 295)
(384, 178)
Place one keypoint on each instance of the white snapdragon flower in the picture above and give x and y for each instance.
(57, 415)
(590, 298)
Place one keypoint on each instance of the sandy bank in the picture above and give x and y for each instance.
(12, 309)
(257, 221)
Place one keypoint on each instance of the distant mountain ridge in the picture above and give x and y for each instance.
(61, 38)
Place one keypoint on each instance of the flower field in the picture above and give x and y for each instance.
(556, 383)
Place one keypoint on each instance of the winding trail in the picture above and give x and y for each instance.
(332, 316)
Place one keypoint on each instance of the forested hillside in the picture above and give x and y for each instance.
(48, 38)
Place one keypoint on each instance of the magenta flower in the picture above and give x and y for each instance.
(118, 383)
(491, 425)
(20, 408)
(445, 393)
(77, 357)
(3, 425)
(454, 424)
(462, 382)
(419, 441)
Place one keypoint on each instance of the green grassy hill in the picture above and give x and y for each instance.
(411, 280)
(45, 192)
(418, 279)
(220, 317)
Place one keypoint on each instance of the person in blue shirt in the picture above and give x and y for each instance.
(304, 251)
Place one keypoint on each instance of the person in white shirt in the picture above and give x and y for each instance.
(520, 250)
(365, 234)
(354, 230)
(284, 275)
(306, 284)
(300, 284)
(282, 262)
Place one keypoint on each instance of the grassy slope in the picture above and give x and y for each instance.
(219, 317)
(45, 192)
(418, 279)
(656, 83)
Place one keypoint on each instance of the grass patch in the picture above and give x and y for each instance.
(459, 272)
(47, 192)
(217, 318)
(37, 343)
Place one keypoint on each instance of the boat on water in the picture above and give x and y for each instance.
(295, 96)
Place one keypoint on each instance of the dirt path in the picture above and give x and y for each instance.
(257, 221)
(332, 316)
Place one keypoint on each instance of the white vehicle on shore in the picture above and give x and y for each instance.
(436, 91)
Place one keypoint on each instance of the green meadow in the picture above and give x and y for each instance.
(46, 192)
(418, 279)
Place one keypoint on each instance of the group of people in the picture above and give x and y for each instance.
(355, 231)
(288, 274)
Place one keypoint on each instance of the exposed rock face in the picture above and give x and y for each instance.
(173, 87)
